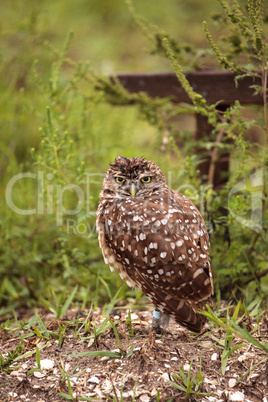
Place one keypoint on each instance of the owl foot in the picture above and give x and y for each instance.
(160, 321)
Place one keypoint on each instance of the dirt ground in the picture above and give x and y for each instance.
(142, 375)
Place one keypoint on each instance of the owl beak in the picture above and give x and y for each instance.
(133, 190)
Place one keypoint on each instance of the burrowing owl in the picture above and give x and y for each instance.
(157, 240)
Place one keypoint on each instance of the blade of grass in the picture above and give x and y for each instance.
(251, 369)
(69, 386)
(134, 391)
(66, 396)
(116, 337)
(42, 326)
(243, 333)
(234, 328)
(130, 352)
(38, 357)
(31, 352)
(226, 353)
(106, 353)
(109, 307)
(129, 324)
(77, 331)
(68, 302)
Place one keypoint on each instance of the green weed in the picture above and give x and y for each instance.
(12, 356)
(51, 258)
(231, 328)
(187, 383)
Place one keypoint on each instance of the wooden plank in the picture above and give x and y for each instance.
(221, 164)
(213, 85)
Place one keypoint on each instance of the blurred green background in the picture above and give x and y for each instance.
(104, 34)
(56, 121)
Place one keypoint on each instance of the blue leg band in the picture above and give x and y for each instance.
(157, 314)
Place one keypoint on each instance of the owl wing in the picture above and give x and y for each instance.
(167, 243)
(161, 245)
(183, 311)
(179, 282)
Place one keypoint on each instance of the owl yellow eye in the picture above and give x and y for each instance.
(119, 180)
(146, 179)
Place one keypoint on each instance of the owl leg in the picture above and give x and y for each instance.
(165, 320)
(159, 321)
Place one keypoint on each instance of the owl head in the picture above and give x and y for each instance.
(133, 177)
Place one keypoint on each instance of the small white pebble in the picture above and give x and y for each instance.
(16, 373)
(214, 357)
(134, 317)
(232, 382)
(136, 349)
(13, 394)
(37, 374)
(237, 396)
(67, 366)
(144, 398)
(47, 364)
(186, 367)
(94, 380)
(243, 357)
(165, 377)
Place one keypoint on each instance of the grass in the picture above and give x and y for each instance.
(34, 338)
(231, 327)
(187, 384)
(73, 125)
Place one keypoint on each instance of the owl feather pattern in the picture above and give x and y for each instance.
(156, 238)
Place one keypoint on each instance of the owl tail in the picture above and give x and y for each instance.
(188, 315)
(185, 313)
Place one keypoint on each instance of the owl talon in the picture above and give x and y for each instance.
(165, 320)
(160, 321)
(156, 321)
